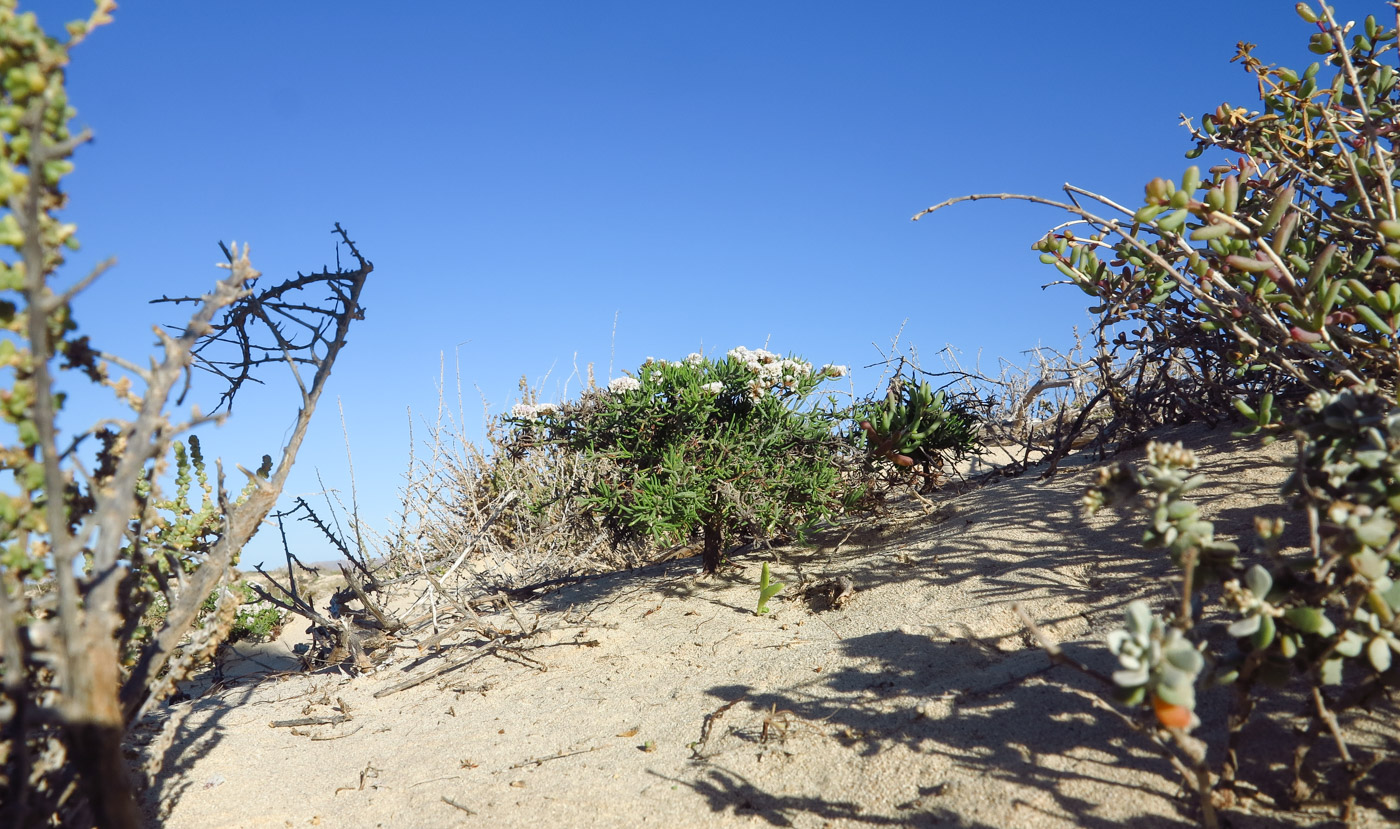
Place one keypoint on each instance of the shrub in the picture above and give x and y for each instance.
(1270, 284)
(1275, 270)
(256, 618)
(1325, 617)
(506, 511)
(736, 446)
(101, 577)
(917, 429)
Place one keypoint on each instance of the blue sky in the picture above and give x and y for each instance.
(707, 175)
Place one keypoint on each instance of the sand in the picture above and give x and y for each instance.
(658, 697)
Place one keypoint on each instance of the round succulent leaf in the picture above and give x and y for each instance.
(1203, 530)
(1369, 564)
(1378, 652)
(1179, 510)
(1264, 636)
(1222, 547)
(1391, 596)
(1117, 639)
(1258, 580)
(1350, 644)
(1183, 695)
(1131, 695)
(1376, 532)
(1244, 627)
(1185, 658)
(1139, 617)
(1192, 483)
(1331, 671)
(1171, 677)
(1371, 458)
(1131, 678)
(1310, 620)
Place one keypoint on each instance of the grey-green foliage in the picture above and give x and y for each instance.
(1174, 522)
(1348, 483)
(257, 619)
(88, 545)
(1154, 657)
(1270, 273)
(1326, 616)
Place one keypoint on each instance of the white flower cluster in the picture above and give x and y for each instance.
(528, 411)
(694, 359)
(831, 370)
(713, 388)
(769, 369)
(624, 384)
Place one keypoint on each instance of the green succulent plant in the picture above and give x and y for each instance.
(766, 590)
(915, 426)
(1155, 658)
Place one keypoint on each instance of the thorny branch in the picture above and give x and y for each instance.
(255, 327)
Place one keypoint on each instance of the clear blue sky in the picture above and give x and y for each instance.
(711, 175)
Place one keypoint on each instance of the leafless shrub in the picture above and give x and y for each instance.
(494, 517)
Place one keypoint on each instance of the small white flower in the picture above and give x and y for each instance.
(713, 388)
(798, 367)
(694, 358)
(835, 371)
(526, 411)
(752, 356)
(657, 377)
(624, 384)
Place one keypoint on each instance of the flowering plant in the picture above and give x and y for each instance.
(738, 446)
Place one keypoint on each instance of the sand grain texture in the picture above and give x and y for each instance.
(918, 703)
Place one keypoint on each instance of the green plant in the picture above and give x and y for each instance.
(739, 445)
(1300, 617)
(1277, 268)
(915, 426)
(1269, 285)
(1157, 660)
(169, 540)
(256, 618)
(102, 578)
(766, 590)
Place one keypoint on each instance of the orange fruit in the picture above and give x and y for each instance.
(1170, 715)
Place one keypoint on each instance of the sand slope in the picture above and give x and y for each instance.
(655, 697)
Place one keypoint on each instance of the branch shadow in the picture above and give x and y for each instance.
(188, 746)
(729, 791)
(1001, 718)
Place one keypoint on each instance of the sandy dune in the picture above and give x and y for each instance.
(654, 697)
